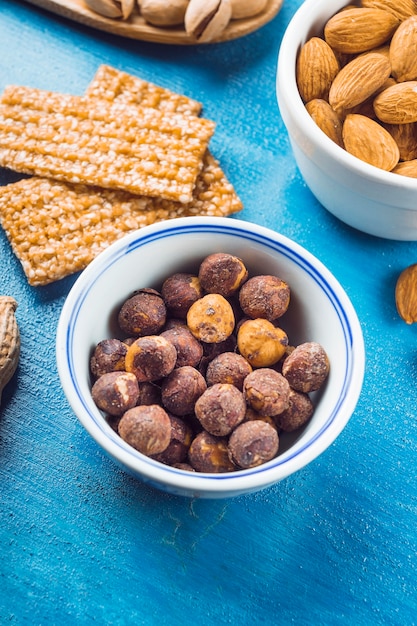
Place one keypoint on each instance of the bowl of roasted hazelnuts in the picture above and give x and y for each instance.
(210, 357)
(347, 94)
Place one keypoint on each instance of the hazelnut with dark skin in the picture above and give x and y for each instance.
(151, 358)
(108, 356)
(211, 319)
(222, 273)
(253, 443)
(179, 292)
(299, 411)
(307, 367)
(115, 392)
(266, 391)
(181, 437)
(210, 454)
(146, 428)
(181, 389)
(220, 409)
(265, 296)
(189, 349)
(144, 313)
(228, 367)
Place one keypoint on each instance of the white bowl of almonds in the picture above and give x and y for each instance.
(210, 357)
(347, 93)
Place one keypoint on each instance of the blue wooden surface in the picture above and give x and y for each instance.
(82, 542)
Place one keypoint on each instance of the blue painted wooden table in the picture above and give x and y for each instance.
(82, 542)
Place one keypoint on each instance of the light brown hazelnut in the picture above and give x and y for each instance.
(211, 318)
(261, 343)
(206, 19)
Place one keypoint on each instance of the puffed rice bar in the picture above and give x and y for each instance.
(117, 86)
(114, 145)
(57, 228)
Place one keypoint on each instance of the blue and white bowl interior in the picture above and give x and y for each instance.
(319, 311)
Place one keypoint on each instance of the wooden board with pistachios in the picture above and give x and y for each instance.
(182, 22)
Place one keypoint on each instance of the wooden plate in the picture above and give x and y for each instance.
(137, 28)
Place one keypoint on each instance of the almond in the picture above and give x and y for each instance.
(403, 50)
(370, 142)
(406, 168)
(358, 80)
(357, 30)
(326, 119)
(406, 294)
(397, 104)
(405, 136)
(316, 68)
(401, 9)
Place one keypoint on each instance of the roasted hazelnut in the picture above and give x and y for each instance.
(211, 318)
(210, 454)
(300, 409)
(146, 428)
(266, 296)
(252, 415)
(181, 390)
(142, 314)
(228, 367)
(181, 437)
(222, 273)
(179, 292)
(260, 342)
(266, 391)
(149, 393)
(108, 356)
(307, 367)
(253, 443)
(151, 358)
(220, 409)
(115, 392)
(189, 349)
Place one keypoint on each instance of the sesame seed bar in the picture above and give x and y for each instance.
(114, 145)
(57, 228)
(118, 86)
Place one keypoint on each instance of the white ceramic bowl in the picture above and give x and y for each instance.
(320, 311)
(374, 201)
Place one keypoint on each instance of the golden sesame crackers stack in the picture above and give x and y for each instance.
(56, 227)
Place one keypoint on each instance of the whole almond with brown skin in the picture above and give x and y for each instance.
(316, 69)
(358, 80)
(370, 142)
(357, 30)
(406, 168)
(406, 294)
(403, 50)
(401, 9)
(326, 119)
(405, 136)
(397, 104)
